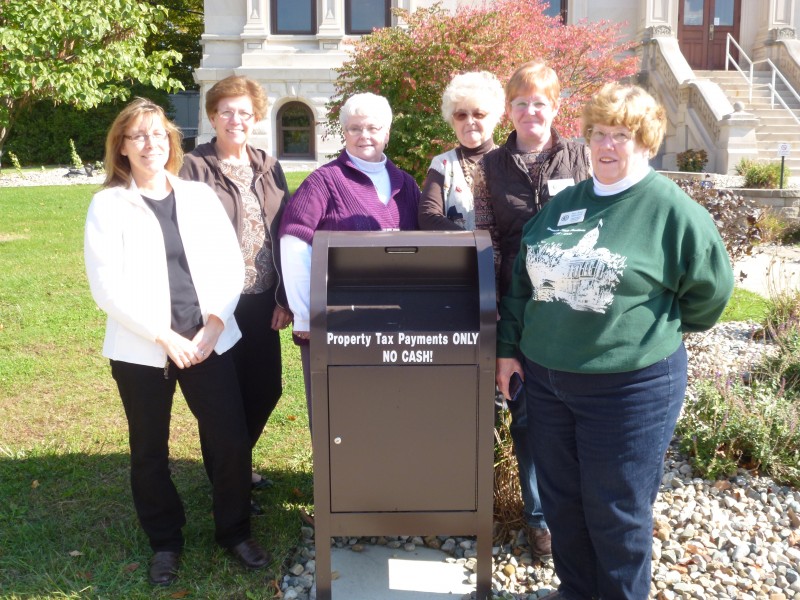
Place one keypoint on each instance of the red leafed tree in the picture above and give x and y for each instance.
(411, 65)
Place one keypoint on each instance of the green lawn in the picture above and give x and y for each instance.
(67, 525)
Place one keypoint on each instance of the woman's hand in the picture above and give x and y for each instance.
(281, 318)
(184, 353)
(303, 335)
(503, 371)
(206, 338)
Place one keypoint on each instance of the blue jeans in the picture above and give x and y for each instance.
(599, 442)
(532, 504)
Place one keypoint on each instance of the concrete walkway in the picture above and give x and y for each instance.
(383, 573)
(769, 270)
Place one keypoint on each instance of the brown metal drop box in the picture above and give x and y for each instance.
(402, 384)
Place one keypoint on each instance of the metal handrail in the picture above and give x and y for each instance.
(775, 72)
(775, 94)
(742, 53)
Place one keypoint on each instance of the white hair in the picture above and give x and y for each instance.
(480, 87)
(367, 105)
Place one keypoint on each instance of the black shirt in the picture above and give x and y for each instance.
(187, 318)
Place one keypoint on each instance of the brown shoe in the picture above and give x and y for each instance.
(539, 541)
(163, 567)
(250, 554)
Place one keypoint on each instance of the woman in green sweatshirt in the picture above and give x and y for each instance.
(610, 274)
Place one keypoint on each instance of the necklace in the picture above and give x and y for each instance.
(467, 167)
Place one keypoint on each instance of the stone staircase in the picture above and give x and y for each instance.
(775, 124)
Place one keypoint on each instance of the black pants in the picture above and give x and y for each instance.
(212, 394)
(257, 360)
(257, 357)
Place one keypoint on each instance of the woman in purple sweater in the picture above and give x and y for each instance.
(361, 190)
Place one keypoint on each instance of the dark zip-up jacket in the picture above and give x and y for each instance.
(514, 198)
(270, 187)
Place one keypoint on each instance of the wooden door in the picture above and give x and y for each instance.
(703, 26)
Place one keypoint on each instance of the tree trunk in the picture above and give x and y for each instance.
(6, 112)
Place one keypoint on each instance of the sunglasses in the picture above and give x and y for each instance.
(462, 115)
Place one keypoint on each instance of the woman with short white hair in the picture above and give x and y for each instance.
(361, 190)
(472, 104)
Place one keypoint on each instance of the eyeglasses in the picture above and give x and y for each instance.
(228, 114)
(357, 131)
(525, 105)
(463, 115)
(617, 137)
(141, 138)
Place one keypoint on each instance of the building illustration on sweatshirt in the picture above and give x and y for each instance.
(584, 276)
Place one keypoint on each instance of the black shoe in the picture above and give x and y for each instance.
(250, 554)
(163, 567)
(262, 484)
(255, 509)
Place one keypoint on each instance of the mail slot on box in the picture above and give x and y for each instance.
(402, 381)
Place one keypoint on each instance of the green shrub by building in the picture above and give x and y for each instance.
(737, 218)
(41, 135)
(692, 161)
(759, 174)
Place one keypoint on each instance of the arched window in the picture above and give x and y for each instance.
(295, 131)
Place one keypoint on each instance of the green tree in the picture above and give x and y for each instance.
(180, 31)
(76, 52)
(411, 66)
(42, 131)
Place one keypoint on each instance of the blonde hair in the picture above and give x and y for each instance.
(480, 87)
(534, 75)
(629, 106)
(117, 166)
(233, 86)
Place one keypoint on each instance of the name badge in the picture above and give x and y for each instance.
(569, 218)
(556, 185)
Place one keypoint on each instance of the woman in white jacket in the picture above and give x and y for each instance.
(165, 266)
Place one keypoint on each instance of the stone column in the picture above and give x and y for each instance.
(331, 29)
(659, 19)
(257, 24)
(737, 139)
(777, 25)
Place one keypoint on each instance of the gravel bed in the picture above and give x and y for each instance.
(729, 539)
(58, 176)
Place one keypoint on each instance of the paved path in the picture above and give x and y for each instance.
(770, 270)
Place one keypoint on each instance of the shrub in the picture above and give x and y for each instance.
(15, 163)
(782, 326)
(731, 425)
(737, 218)
(74, 157)
(411, 65)
(752, 422)
(692, 161)
(40, 134)
(508, 506)
(759, 174)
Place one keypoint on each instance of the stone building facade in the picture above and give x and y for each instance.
(294, 46)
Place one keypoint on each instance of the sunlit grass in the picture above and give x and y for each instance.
(745, 305)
